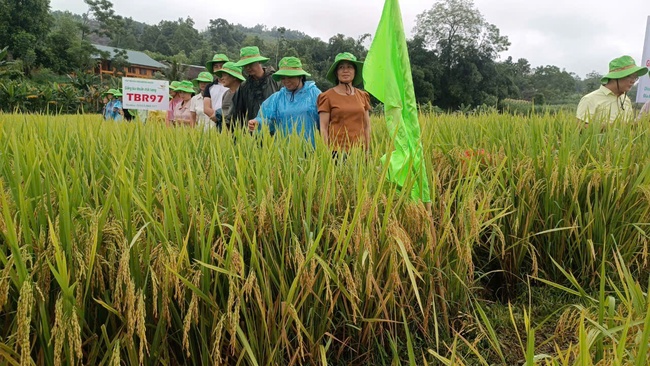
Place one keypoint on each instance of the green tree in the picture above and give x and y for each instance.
(177, 68)
(340, 43)
(8, 69)
(22, 26)
(111, 24)
(184, 37)
(119, 61)
(315, 56)
(514, 81)
(66, 50)
(465, 46)
(556, 85)
(223, 35)
(591, 82)
(426, 70)
(452, 26)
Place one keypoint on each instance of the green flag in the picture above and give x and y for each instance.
(387, 76)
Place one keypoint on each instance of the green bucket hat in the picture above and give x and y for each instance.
(109, 91)
(174, 85)
(117, 93)
(186, 86)
(219, 57)
(621, 67)
(204, 77)
(231, 69)
(290, 66)
(346, 56)
(248, 55)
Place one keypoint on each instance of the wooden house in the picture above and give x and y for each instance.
(140, 65)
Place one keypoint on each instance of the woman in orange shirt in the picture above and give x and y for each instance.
(345, 110)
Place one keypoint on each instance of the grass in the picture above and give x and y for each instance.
(132, 244)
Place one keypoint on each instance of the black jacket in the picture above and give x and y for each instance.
(248, 99)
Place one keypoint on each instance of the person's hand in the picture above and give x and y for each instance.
(252, 125)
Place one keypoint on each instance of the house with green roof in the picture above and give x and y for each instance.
(140, 65)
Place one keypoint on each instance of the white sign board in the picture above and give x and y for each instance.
(145, 94)
(643, 93)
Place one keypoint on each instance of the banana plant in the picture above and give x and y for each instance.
(8, 69)
(13, 96)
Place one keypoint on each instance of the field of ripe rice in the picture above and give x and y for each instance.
(131, 244)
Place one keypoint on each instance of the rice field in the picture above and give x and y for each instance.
(131, 244)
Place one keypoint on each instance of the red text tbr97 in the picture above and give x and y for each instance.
(137, 97)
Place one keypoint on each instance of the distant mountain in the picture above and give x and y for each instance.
(272, 34)
(260, 30)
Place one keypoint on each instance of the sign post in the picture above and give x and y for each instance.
(643, 91)
(145, 94)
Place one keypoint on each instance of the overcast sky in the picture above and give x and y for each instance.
(577, 35)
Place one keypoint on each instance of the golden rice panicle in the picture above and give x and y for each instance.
(298, 326)
(115, 356)
(234, 296)
(249, 285)
(357, 240)
(58, 332)
(5, 282)
(329, 296)
(141, 327)
(154, 292)
(161, 282)
(192, 315)
(125, 294)
(216, 345)
(192, 312)
(129, 310)
(397, 233)
(24, 319)
(264, 225)
(298, 256)
(74, 334)
(416, 220)
(66, 330)
(122, 280)
(351, 286)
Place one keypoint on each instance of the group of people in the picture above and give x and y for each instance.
(113, 109)
(283, 101)
(249, 94)
(112, 100)
(610, 103)
(212, 105)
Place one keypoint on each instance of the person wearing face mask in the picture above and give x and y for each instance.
(258, 86)
(345, 110)
(293, 108)
(610, 102)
